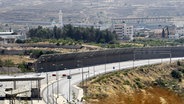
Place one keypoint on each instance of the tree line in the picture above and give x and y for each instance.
(88, 34)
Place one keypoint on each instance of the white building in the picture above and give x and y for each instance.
(176, 36)
(123, 31)
(180, 31)
(58, 23)
(10, 37)
(61, 18)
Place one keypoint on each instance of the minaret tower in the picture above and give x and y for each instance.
(61, 18)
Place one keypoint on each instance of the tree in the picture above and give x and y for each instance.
(2, 51)
(20, 41)
(36, 53)
(23, 66)
(75, 33)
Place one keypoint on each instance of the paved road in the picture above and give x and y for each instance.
(52, 90)
(94, 70)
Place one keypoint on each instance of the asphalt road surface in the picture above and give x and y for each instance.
(57, 83)
(63, 83)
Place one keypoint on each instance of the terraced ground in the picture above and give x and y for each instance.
(16, 59)
(153, 84)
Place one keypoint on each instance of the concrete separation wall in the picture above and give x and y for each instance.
(54, 62)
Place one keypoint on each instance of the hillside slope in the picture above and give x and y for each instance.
(153, 84)
(86, 11)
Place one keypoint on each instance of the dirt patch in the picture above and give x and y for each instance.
(148, 96)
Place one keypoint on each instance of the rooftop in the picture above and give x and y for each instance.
(6, 33)
(22, 78)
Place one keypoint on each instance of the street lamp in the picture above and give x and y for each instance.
(82, 77)
(86, 83)
(133, 57)
(167, 52)
(78, 61)
(119, 61)
(91, 56)
(52, 87)
(94, 70)
(157, 52)
(88, 71)
(148, 61)
(47, 89)
(86, 79)
(105, 60)
(87, 64)
(57, 78)
(69, 77)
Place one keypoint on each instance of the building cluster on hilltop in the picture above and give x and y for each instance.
(125, 28)
(155, 27)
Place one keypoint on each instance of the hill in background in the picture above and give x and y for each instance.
(86, 11)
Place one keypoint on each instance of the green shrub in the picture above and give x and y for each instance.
(57, 44)
(139, 84)
(161, 82)
(176, 74)
(2, 51)
(126, 82)
(36, 53)
(20, 41)
(178, 63)
(24, 67)
(181, 69)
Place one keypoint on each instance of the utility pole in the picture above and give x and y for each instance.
(94, 70)
(69, 90)
(170, 57)
(88, 71)
(47, 89)
(82, 77)
(119, 61)
(57, 77)
(133, 58)
(105, 61)
(81, 62)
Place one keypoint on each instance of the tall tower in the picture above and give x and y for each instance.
(61, 18)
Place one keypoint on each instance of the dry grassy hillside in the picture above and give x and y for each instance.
(16, 59)
(152, 84)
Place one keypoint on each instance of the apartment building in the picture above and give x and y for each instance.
(123, 31)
